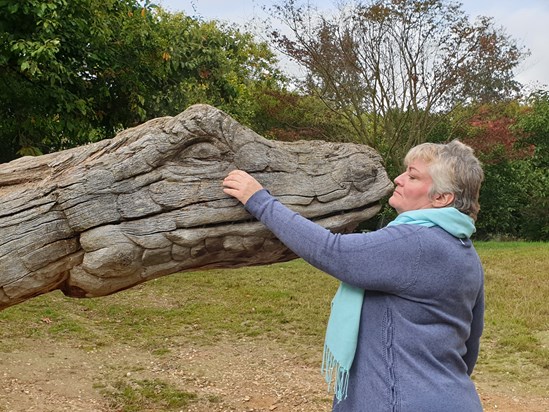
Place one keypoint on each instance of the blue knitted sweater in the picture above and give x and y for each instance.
(422, 315)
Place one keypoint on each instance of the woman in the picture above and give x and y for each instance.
(405, 325)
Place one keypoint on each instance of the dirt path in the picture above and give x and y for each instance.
(246, 376)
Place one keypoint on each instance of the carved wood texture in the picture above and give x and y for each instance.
(104, 217)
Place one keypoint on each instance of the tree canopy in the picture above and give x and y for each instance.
(387, 73)
(77, 71)
(387, 65)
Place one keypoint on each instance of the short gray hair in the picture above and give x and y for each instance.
(455, 169)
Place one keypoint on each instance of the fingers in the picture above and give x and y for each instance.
(234, 179)
(237, 178)
(240, 185)
(238, 175)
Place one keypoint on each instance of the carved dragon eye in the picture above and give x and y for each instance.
(202, 151)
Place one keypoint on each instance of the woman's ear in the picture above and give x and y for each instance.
(443, 199)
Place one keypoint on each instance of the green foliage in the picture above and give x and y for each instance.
(73, 72)
(207, 62)
(533, 125)
(52, 56)
(289, 116)
(514, 196)
(514, 200)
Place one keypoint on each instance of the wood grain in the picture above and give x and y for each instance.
(104, 217)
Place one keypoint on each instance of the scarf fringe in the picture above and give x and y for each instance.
(330, 368)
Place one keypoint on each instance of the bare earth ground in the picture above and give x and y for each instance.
(247, 376)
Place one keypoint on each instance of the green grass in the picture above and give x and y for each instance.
(516, 337)
(286, 304)
(140, 395)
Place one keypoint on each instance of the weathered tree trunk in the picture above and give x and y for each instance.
(100, 218)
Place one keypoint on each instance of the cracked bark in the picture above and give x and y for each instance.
(101, 218)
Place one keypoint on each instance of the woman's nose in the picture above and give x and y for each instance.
(398, 180)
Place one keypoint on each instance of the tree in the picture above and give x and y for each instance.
(290, 116)
(533, 129)
(208, 62)
(47, 57)
(533, 126)
(510, 139)
(73, 72)
(388, 65)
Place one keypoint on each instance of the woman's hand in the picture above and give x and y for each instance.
(240, 185)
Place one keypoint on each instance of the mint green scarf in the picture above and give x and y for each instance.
(343, 324)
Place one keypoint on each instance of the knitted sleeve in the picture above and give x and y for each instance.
(385, 260)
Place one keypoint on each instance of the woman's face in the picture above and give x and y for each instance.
(412, 188)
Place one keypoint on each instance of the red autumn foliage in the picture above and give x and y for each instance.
(492, 134)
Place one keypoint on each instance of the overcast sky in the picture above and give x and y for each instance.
(527, 21)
